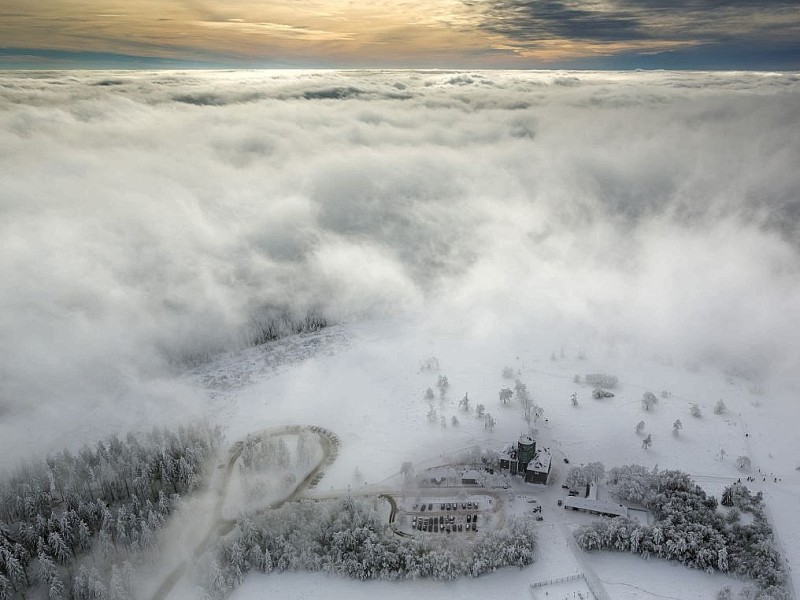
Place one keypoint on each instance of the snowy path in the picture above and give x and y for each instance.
(591, 577)
(220, 526)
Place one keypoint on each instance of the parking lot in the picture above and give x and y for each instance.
(436, 516)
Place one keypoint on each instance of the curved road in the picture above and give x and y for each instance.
(329, 443)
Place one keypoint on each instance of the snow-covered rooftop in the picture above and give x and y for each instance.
(598, 506)
(540, 462)
(471, 475)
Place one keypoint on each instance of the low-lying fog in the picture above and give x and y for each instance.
(148, 219)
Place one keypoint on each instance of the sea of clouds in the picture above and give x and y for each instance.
(148, 218)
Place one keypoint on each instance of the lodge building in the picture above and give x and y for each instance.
(526, 461)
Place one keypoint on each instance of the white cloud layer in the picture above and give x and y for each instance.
(148, 217)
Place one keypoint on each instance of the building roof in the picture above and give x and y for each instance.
(471, 474)
(526, 440)
(540, 462)
(597, 506)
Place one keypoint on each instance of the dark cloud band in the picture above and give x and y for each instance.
(770, 29)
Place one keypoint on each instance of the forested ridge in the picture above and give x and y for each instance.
(75, 525)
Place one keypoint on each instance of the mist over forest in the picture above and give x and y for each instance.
(149, 221)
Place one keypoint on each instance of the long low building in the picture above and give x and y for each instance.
(598, 507)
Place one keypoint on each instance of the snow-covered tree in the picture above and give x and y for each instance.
(58, 548)
(585, 474)
(574, 399)
(505, 395)
(719, 407)
(443, 385)
(676, 427)
(5, 588)
(640, 427)
(601, 380)
(489, 422)
(454, 421)
(118, 587)
(56, 590)
(649, 400)
(695, 411)
(432, 415)
(464, 403)
(744, 463)
(429, 364)
(530, 411)
(727, 497)
(429, 394)
(508, 373)
(47, 569)
(648, 441)
(480, 410)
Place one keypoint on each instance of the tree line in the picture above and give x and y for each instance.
(348, 537)
(71, 524)
(689, 528)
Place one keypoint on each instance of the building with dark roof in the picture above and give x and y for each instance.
(525, 460)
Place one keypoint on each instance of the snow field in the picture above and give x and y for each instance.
(371, 395)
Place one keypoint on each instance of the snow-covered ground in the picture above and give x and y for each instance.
(370, 392)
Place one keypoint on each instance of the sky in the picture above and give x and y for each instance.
(531, 34)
